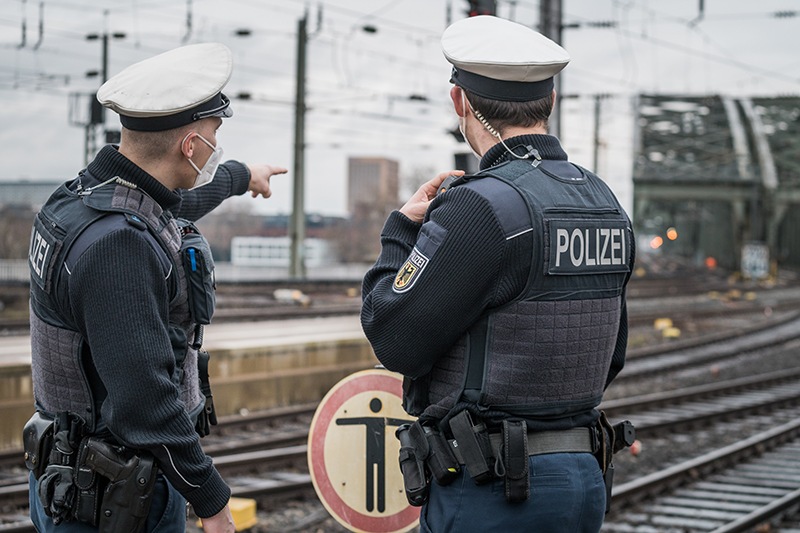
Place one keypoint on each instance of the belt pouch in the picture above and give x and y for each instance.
(37, 438)
(198, 264)
(441, 461)
(515, 457)
(473, 441)
(88, 496)
(413, 452)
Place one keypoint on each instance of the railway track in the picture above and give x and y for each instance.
(277, 444)
(686, 300)
(704, 352)
(733, 489)
(270, 465)
(707, 404)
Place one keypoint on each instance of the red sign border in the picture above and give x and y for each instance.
(367, 380)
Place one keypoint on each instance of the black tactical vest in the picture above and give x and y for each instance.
(63, 378)
(546, 354)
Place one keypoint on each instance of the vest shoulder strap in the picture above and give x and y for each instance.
(107, 224)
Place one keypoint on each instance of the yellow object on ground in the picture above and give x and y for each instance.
(243, 511)
(661, 324)
(670, 333)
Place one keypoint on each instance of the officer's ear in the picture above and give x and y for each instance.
(553, 106)
(458, 98)
(187, 144)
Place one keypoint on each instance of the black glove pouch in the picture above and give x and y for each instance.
(37, 439)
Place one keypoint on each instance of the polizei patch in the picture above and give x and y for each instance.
(43, 247)
(410, 271)
(588, 246)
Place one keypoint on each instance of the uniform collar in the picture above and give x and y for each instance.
(109, 163)
(548, 147)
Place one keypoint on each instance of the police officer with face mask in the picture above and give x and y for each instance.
(121, 284)
(500, 297)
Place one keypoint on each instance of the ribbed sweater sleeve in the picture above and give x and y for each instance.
(409, 330)
(232, 179)
(119, 298)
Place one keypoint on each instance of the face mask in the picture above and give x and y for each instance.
(462, 124)
(206, 174)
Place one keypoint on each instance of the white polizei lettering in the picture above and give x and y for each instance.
(562, 240)
(576, 234)
(622, 244)
(590, 261)
(417, 260)
(615, 245)
(38, 254)
(605, 232)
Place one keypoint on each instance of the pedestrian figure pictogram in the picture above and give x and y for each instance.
(376, 451)
(353, 454)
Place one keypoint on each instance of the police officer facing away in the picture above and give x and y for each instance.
(502, 302)
(119, 290)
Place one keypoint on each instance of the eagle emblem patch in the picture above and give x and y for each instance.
(410, 271)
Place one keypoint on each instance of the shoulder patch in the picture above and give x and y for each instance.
(44, 246)
(410, 271)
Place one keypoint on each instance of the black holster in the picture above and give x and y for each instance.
(128, 493)
(414, 450)
(610, 440)
(88, 480)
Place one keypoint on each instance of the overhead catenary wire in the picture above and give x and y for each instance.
(399, 59)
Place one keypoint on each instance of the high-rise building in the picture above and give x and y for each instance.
(372, 183)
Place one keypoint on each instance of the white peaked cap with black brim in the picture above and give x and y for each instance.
(171, 89)
(502, 60)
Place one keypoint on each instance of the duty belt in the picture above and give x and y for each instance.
(575, 440)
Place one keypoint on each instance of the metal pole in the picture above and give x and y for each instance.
(297, 268)
(596, 133)
(550, 26)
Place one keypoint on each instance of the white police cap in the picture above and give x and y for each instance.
(171, 89)
(502, 60)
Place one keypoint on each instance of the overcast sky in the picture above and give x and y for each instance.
(359, 82)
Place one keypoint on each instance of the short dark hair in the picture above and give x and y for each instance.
(155, 144)
(504, 114)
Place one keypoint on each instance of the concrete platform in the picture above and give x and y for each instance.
(254, 366)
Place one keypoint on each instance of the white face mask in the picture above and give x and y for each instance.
(462, 124)
(206, 174)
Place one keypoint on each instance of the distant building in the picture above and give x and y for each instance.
(372, 182)
(275, 252)
(26, 193)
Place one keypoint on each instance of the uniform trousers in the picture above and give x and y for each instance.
(567, 495)
(167, 512)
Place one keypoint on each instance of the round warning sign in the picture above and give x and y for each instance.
(353, 453)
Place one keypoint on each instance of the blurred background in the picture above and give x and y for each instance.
(687, 108)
